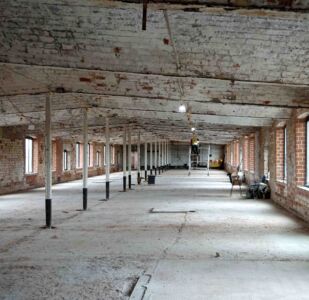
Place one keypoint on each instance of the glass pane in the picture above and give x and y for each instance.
(307, 159)
(285, 155)
(28, 156)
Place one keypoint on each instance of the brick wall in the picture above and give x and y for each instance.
(263, 152)
(300, 141)
(12, 157)
(280, 152)
(246, 153)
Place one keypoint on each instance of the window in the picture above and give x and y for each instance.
(28, 155)
(307, 152)
(65, 160)
(78, 153)
(252, 154)
(98, 160)
(281, 153)
(112, 155)
(284, 154)
(246, 153)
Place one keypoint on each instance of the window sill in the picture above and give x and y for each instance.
(31, 174)
(303, 188)
(281, 182)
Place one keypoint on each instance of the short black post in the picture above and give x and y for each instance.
(138, 178)
(155, 169)
(107, 189)
(159, 170)
(124, 183)
(85, 198)
(48, 210)
(145, 175)
(150, 171)
(130, 182)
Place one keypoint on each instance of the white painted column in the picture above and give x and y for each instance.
(162, 155)
(124, 159)
(189, 161)
(165, 149)
(208, 159)
(159, 156)
(85, 158)
(145, 160)
(156, 155)
(48, 162)
(151, 165)
(130, 157)
(108, 158)
(168, 152)
(139, 159)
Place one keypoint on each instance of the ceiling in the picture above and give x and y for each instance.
(236, 65)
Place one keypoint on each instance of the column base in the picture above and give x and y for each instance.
(138, 178)
(124, 181)
(130, 182)
(85, 198)
(107, 190)
(48, 211)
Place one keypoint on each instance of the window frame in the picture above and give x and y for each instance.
(29, 161)
(97, 158)
(284, 175)
(89, 155)
(104, 154)
(65, 160)
(77, 155)
(307, 151)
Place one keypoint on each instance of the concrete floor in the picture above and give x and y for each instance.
(229, 248)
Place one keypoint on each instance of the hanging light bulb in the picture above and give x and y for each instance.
(193, 129)
(182, 108)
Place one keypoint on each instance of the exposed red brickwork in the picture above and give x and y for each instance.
(290, 193)
(300, 151)
(90, 155)
(54, 156)
(280, 153)
(35, 155)
(228, 154)
(252, 154)
(236, 151)
(245, 153)
(12, 157)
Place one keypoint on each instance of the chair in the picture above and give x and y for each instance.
(236, 179)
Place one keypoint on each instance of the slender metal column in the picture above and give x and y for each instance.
(108, 159)
(155, 156)
(85, 158)
(48, 159)
(124, 159)
(163, 155)
(145, 162)
(159, 157)
(130, 158)
(139, 159)
(168, 154)
(208, 158)
(151, 165)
